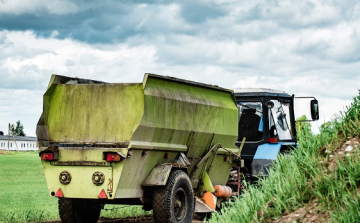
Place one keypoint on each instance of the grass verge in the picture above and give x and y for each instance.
(318, 172)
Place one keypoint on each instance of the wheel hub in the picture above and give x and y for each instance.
(98, 178)
(65, 177)
(179, 204)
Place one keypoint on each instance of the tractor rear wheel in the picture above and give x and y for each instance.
(175, 202)
(78, 210)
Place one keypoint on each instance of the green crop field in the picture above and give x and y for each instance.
(24, 196)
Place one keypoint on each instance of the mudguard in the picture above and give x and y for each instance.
(159, 175)
(264, 157)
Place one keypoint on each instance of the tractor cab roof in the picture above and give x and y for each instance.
(254, 92)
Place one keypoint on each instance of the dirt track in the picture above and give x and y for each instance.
(145, 219)
(142, 219)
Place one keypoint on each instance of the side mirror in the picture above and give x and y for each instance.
(314, 106)
(269, 104)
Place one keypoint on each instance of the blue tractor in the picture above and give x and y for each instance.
(266, 127)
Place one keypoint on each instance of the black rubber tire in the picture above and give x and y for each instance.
(78, 210)
(175, 202)
(66, 210)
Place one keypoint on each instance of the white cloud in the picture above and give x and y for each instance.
(30, 61)
(24, 49)
(20, 104)
(302, 47)
(247, 82)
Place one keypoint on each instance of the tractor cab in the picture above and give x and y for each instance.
(266, 125)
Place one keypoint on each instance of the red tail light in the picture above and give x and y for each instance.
(112, 157)
(272, 140)
(47, 156)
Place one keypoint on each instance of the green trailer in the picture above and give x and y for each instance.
(163, 143)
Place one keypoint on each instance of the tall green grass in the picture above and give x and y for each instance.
(304, 177)
(122, 211)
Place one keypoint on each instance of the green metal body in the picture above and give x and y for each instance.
(148, 123)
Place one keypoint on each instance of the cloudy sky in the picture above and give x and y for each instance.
(309, 47)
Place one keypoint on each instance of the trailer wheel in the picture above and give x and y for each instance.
(66, 210)
(175, 202)
(78, 210)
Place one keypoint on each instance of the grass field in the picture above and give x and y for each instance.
(24, 195)
(23, 192)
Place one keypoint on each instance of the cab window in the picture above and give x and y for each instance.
(250, 121)
(279, 121)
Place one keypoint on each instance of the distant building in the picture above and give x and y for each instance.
(24, 143)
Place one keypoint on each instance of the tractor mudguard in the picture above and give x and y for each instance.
(264, 157)
(160, 174)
